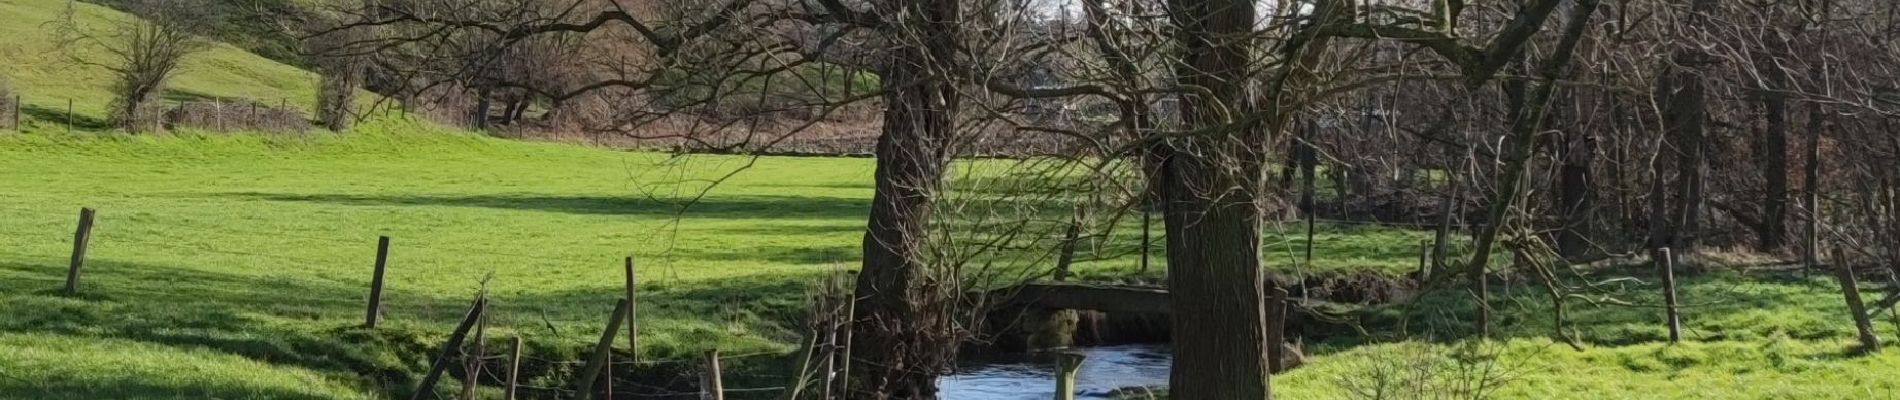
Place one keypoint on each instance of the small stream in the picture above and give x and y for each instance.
(1026, 376)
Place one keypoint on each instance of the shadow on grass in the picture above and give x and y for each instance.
(59, 117)
(1716, 306)
(314, 324)
(174, 96)
(92, 388)
(219, 312)
(725, 207)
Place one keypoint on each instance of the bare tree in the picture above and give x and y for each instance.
(341, 65)
(143, 53)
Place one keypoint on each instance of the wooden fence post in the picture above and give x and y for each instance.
(602, 349)
(809, 347)
(715, 385)
(1850, 289)
(1146, 242)
(441, 363)
(16, 112)
(1424, 255)
(633, 312)
(472, 366)
(82, 237)
(1481, 285)
(1066, 249)
(1068, 363)
(1276, 330)
(376, 284)
(514, 370)
(1666, 263)
(850, 324)
(69, 116)
(832, 326)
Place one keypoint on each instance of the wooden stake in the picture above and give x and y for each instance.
(715, 387)
(472, 366)
(1069, 237)
(633, 313)
(591, 372)
(1850, 289)
(69, 116)
(427, 387)
(376, 284)
(1482, 286)
(1146, 243)
(1276, 330)
(850, 323)
(1424, 254)
(16, 112)
(514, 370)
(833, 324)
(1068, 364)
(82, 237)
(1667, 263)
(802, 376)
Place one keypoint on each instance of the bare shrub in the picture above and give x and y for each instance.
(1419, 371)
(342, 69)
(143, 54)
(236, 116)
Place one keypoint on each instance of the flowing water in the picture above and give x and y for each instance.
(1027, 377)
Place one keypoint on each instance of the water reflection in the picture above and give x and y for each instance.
(1028, 377)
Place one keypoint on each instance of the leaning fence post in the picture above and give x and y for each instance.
(1667, 263)
(514, 370)
(472, 366)
(376, 284)
(850, 324)
(833, 324)
(1850, 289)
(1068, 363)
(715, 386)
(81, 238)
(448, 349)
(591, 372)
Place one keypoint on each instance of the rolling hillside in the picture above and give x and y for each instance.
(47, 78)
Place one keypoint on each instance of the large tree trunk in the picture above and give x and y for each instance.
(902, 333)
(1211, 193)
(1573, 240)
(1684, 96)
(1774, 150)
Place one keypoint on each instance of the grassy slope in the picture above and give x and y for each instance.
(47, 77)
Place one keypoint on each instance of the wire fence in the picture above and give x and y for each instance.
(40, 234)
(210, 113)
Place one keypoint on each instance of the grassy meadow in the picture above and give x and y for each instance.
(262, 246)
